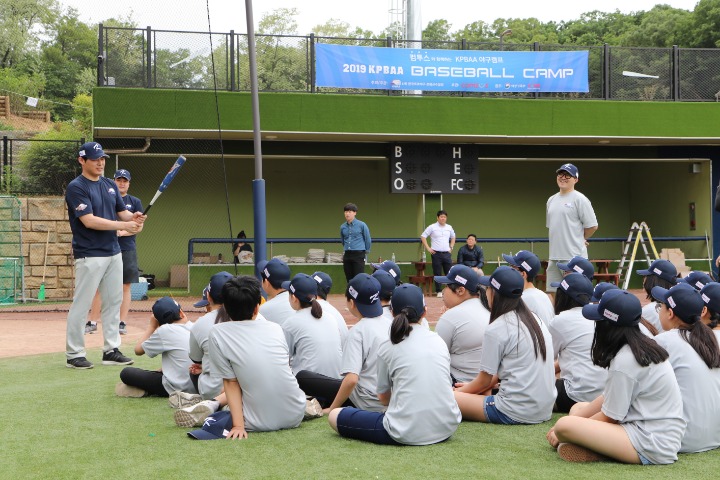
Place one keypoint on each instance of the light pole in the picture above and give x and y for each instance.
(503, 35)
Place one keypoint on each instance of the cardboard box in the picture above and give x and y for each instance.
(179, 276)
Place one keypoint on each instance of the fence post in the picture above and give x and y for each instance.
(148, 53)
(4, 173)
(389, 44)
(606, 72)
(311, 39)
(100, 57)
(463, 46)
(675, 73)
(536, 48)
(232, 60)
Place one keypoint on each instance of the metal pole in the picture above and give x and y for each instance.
(260, 217)
(231, 60)
(100, 57)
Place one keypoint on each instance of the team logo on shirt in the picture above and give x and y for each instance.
(81, 207)
(111, 191)
(129, 206)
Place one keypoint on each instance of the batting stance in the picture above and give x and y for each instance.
(96, 212)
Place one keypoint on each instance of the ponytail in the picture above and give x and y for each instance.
(714, 319)
(651, 328)
(222, 315)
(702, 339)
(401, 327)
(315, 308)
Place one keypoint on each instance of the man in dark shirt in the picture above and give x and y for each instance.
(355, 236)
(96, 212)
(471, 254)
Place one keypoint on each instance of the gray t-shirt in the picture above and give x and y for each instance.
(651, 315)
(171, 341)
(314, 343)
(539, 303)
(255, 353)
(360, 357)
(700, 390)
(209, 385)
(527, 382)
(566, 218)
(572, 336)
(339, 319)
(277, 309)
(463, 328)
(422, 407)
(646, 401)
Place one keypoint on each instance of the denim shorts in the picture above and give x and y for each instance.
(494, 415)
(363, 425)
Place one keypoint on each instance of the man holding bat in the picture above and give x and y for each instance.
(96, 212)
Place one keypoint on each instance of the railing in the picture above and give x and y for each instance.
(150, 58)
(528, 240)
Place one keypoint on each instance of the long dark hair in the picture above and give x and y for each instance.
(482, 293)
(315, 307)
(651, 328)
(655, 281)
(401, 328)
(563, 301)
(502, 305)
(609, 339)
(702, 339)
(714, 318)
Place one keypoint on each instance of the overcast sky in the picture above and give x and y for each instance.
(372, 15)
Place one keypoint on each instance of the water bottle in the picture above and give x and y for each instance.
(393, 258)
(424, 258)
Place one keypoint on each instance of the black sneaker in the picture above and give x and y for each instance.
(115, 357)
(81, 363)
(123, 328)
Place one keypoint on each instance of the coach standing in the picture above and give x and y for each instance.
(355, 236)
(570, 220)
(94, 207)
(442, 237)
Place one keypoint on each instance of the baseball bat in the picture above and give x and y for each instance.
(166, 181)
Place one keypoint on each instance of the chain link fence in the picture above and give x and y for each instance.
(200, 60)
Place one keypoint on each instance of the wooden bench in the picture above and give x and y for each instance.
(425, 282)
(607, 277)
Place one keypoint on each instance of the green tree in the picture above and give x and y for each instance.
(705, 25)
(19, 24)
(49, 165)
(662, 26)
(437, 31)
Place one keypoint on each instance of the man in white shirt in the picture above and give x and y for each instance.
(570, 220)
(442, 237)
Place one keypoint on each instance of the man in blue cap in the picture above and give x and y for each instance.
(96, 212)
(570, 220)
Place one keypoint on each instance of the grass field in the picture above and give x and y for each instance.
(61, 423)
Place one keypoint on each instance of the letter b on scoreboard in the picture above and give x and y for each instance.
(434, 168)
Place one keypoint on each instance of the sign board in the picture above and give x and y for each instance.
(434, 168)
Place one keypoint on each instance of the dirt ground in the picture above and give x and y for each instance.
(37, 328)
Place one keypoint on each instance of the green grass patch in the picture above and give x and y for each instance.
(158, 292)
(67, 424)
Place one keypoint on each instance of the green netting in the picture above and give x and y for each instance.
(11, 259)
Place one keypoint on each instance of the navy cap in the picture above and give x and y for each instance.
(204, 302)
(569, 168)
(122, 173)
(461, 275)
(302, 286)
(685, 302)
(697, 280)
(217, 282)
(663, 269)
(387, 282)
(324, 281)
(275, 271)
(619, 307)
(525, 260)
(577, 286)
(710, 294)
(215, 427)
(166, 310)
(601, 288)
(365, 291)
(91, 151)
(506, 281)
(579, 265)
(408, 295)
(390, 267)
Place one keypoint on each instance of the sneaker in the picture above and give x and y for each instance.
(180, 399)
(312, 408)
(575, 453)
(195, 416)
(115, 357)
(123, 328)
(81, 363)
(124, 390)
(90, 327)
(439, 295)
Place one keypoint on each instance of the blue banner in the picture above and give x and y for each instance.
(342, 66)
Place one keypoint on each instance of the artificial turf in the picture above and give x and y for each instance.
(62, 423)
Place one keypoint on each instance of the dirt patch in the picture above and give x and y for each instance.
(26, 126)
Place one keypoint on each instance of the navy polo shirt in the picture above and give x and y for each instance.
(132, 204)
(101, 198)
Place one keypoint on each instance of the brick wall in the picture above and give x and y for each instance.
(45, 219)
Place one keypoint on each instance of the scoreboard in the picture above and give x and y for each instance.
(434, 168)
